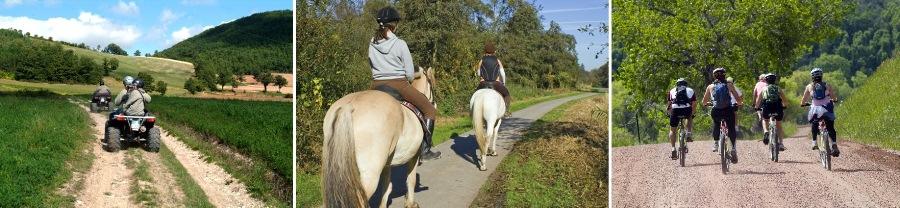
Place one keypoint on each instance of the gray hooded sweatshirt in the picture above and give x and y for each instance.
(390, 59)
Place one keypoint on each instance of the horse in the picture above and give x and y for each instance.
(487, 108)
(367, 133)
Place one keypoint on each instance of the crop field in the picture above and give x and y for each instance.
(870, 115)
(258, 129)
(40, 133)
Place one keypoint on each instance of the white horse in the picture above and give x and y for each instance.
(487, 112)
(367, 133)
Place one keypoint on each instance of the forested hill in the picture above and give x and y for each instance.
(256, 43)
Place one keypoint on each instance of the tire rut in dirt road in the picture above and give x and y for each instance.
(164, 182)
(644, 176)
(222, 189)
(107, 182)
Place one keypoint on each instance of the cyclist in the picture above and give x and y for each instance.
(719, 95)
(822, 98)
(759, 87)
(734, 100)
(771, 100)
(681, 101)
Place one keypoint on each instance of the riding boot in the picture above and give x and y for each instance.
(506, 101)
(427, 154)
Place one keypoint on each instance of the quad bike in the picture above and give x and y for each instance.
(100, 102)
(122, 129)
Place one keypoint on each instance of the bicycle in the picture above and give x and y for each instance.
(774, 141)
(824, 143)
(722, 144)
(682, 143)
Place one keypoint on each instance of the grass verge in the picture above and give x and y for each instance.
(41, 142)
(193, 194)
(561, 161)
(870, 115)
(141, 190)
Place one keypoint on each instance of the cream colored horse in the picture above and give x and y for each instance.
(487, 112)
(367, 133)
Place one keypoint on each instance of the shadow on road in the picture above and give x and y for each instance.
(750, 172)
(856, 170)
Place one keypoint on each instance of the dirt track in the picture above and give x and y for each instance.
(863, 176)
(108, 182)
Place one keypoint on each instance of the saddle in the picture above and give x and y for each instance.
(396, 95)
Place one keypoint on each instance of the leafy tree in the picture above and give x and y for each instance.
(265, 79)
(109, 65)
(112, 48)
(137, 52)
(149, 84)
(193, 86)
(224, 78)
(161, 87)
(280, 81)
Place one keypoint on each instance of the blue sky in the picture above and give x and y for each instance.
(574, 14)
(133, 24)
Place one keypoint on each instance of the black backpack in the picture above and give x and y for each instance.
(490, 68)
(681, 97)
(771, 95)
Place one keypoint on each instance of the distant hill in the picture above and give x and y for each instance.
(256, 43)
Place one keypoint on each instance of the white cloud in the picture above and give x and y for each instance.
(87, 28)
(198, 2)
(11, 3)
(129, 8)
(167, 16)
(185, 33)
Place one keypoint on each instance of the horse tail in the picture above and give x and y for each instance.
(341, 181)
(478, 120)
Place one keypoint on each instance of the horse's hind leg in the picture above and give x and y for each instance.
(385, 184)
(411, 182)
(492, 151)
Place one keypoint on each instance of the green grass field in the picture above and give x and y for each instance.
(260, 130)
(41, 137)
(870, 115)
(174, 73)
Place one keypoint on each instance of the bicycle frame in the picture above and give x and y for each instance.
(682, 144)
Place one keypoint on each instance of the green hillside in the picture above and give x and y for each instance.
(870, 114)
(259, 42)
(173, 72)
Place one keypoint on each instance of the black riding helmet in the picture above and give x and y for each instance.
(771, 78)
(681, 82)
(387, 14)
(139, 83)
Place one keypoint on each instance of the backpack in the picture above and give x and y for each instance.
(490, 68)
(721, 97)
(771, 95)
(681, 97)
(819, 91)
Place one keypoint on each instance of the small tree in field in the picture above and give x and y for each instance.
(265, 79)
(280, 81)
(161, 87)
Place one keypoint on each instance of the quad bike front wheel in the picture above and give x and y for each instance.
(95, 107)
(153, 140)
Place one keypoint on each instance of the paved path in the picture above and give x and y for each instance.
(454, 180)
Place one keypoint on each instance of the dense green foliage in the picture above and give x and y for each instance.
(254, 44)
(114, 49)
(40, 60)
(870, 114)
(658, 42)
(259, 129)
(41, 135)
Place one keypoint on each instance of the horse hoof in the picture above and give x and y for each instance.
(482, 168)
(413, 205)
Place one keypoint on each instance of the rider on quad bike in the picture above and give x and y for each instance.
(101, 97)
(132, 123)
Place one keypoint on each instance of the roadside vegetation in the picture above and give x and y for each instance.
(869, 116)
(43, 135)
(258, 130)
(561, 161)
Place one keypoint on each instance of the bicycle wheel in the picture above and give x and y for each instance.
(682, 149)
(827, 153)
(722, 152)
(774, 143)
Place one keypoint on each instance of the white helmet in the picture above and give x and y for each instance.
(127, 80)
(816, 72)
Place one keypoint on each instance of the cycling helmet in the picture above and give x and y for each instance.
(720, 69)
(127, 80)
(139, 83)
(681, 82)
(771, 78)
(387, 14)
(816, 72)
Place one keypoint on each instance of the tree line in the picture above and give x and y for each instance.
(25, 58)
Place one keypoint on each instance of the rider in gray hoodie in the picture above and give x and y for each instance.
(392, 65)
